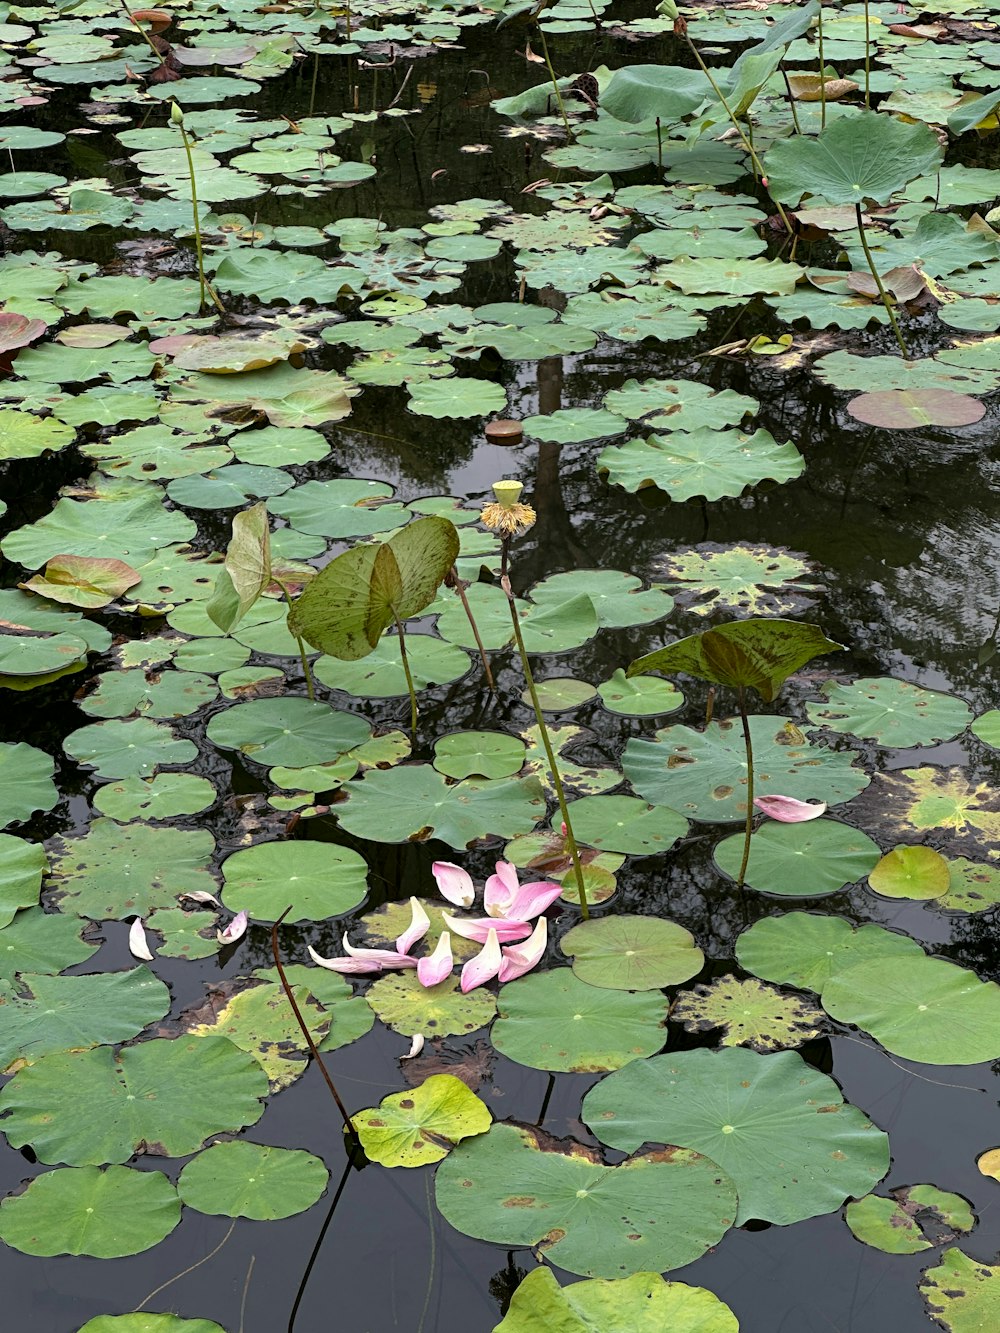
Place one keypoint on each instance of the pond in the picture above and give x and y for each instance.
(728, 309)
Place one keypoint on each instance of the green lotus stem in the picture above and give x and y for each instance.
(791, 101)
(868, 64)
(555, 81)
(177, 117)
(749, 823)
(409, 678)
(659, 147)
(822, 68)
(878, 283)
(453, 581)
(310, 687)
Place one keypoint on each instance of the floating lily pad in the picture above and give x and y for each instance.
(916, 409)
(961, 814)
(626, 824)
(708, 463)
(632, 952)
(23, 435)
(292, 732)
(644, 1303)
(892, 712)
(104, 1214)
(517, 1186)
(166, 694)
(574, 425)
(347, 507)
(22, 864)
(987, 728)
(754, 580)
(749, 1014)
(251, 1180)
(903, 1223)
(25, 782)
(185, 934)
(162, 797)
(801, 860)
(585, 779)
(456, 397)
(640, 696)
(804, 950)
(561, 694)
(557, 1022)
(36, 941)
(768, 1120)
(149, 1323)
(316, 879)
(380, 675)
(116, 749)
(684, 405)
(973, 886)
(550, 627)
(486, 754)
(418, 1127)
(619, 599)
(962, 1294)
(436, 1011)
(911, 872)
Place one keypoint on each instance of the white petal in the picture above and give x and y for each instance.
(416, 1046)
(137, 945)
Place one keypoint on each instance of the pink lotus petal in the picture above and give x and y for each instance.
(420, 924)
(521, 958)
(484, 966)
(236, 929)
(787, 810)
(454, 883)
(479, 928)
(137, 945)
(383, 958)
(346, 966)
(437, 965)
(531, 900)
(500, 889)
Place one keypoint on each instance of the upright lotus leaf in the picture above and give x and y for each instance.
(801, 860)
(105, 1214)
(25, 782)
(422, 1126)
(905, 1222)
(161, 1097)
(920, 1008)
(518, 1186)
(892, 712)
(42, 942)
(316, 879)
(247, 569)
(805, 950)
(86, 581)
(749, 1014)
(643, 1303)
(557, 1022)
(780, 1129)
(22, 865)
(666, 93)
(243, 1179)
(963, 1294)
(434, 1011)
(757, 654)
(632, 952)
(868, 156)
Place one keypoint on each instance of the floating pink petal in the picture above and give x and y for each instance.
(787, 810)
(521, 958)
(500, 890)
(345, 966)
(137, 945)
(531, 900)
(479, 928)
(420, 924)
(363, 960)
(454, 883)
(484, 966)
(236, 929)
(437, 965)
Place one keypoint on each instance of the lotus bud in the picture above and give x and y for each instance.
(176, 114)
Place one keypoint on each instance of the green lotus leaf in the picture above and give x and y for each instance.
(107, 297)
(684, 405)
(587, 779)
(25, 782)
(547, 627)
(287, 396)
(626, 824)
(169, 694)
(619, 599)
(517, 1186)
(116, 749)
(973, 886)
(31, 655)
(749, 1013)
(557, 1022)
(279, 446)
(288, 731)
(349, 1015)
(39, 942)
(574, 426)
(767, 1120)
(23, 435)
(22, 611)
(161, 797)
(79, 581)
(150, 1323)
(560, 694)
(643, 1303)
(105, 1214)
(801, 860)
(892, 712)
(911, 872)
(487, 754)
(749, 579)
(155, 452)
(710, 463)
(903, 1223)
(22, 865)
(130, 529)
(640, 696)
(185, 934)
(316, 879)
(632, 953)
(341, 508)
(456, 397)
(435, 1011)
(666, 93)
(164, 1097)
(804, 950)
(864, 374)
(229, 486)
(962, 1294)
(251, 1180)
(421, 1126)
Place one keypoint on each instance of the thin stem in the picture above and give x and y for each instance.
(555, 81)
(878, 283)
(868, 64)
(276, 953)
(315, 79)
(310, 687)
(659, 146)
(307, 1273)
(791, 101)
(549, 752)
(409, 678)
(822, 69)
(453, 581)
(549, 1087)
(142, 31)
(246, 1291)
(184, 1271)
(749, 824)
(203, 284)
(709, 704)
(432, 1265)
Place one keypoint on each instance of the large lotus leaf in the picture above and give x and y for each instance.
(703, 774)
(47, 1013)
(153, 1323)
(737, 279)
(518, 1186)
(345, 507)
(286, 396)
(963, 1294)
(903, 1223)
(709, 463)
(278, 446)
(749, 1013)
(162, 797)
(435, 1011)
(252, 1180)
(643, 1303)
(456, 397)
(921, 1008)
(25, 782)
(801, 860)
(619, 599)
(962, 815)
(632, 953)
(865, 156)
(415, 802)
(22, 865)
(849, 371)
(23, 435)
(781, 1129)
(18, 610)
(290, 731)
(116, 749)
(747, 578)
(557, 1022)
(626, 824)
(155, 452)
(573, 425)
(316, 879)
(104, 1214)
(38, 659)
(161, 1097)
(54, 363)
(548, 627)
(666, 93)
(418, 1127)
(259, 1019)
(115, 871)
(892, 712)
(272, 275)
(40, 942)
(106, 297)
(129, 529)
(167, 694)
(804, 950)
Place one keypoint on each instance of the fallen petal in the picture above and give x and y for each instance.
(438, 965)
(532, 899)
(500, 889)
(200, 896)
(484, 966)
(346, 966)
(236, 929)
(787, 810)
(416, 1046)
(420, 924)
(480, 928)
(382, 958)
(454, 883)
(137, 945)
(521, 958)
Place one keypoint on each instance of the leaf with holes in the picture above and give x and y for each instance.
(749, 1013)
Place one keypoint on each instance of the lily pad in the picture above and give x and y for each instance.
(561, 694)
(557, 1022)
(804, 950)
(961, 814)
(801, 860)
(632, 953)
(626, 824)
(25, 782)
(973, 886)
(435, 1011)
(252, 1180)
(149, 1323)
(164, 796)
(640, 696)
(749, 1013)
(36, 941)
(916, 409)
(780, 1129)
(291, 732)
(23, 435)
(892, 712)
(903, 1223)
(962, 1294)
(619, 599)
(643, 1303)
(22, 865)
(380, 674)
(486, 754)
(316, 879)
(752, 579)
(456, 397)
(911, 872)
(166, 694)
(708, 463)
(116, 749)
(422, 1126)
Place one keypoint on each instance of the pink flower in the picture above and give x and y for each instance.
(363, 960)
(454, 883)
(787, 810)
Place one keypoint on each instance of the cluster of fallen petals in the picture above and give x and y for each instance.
(512, 946)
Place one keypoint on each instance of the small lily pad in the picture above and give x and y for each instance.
(643, 1303)
(962, 1294)
(435, 1011)
(164, 796)
(640, 696)
(749, 1013)
(422, 1126)
(243, 1179)
(561, 694)
(116, 749)
(626, 824)
(905, 1222)
(632, 952)
(25, 782)
(487, 754)
(911, 872)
